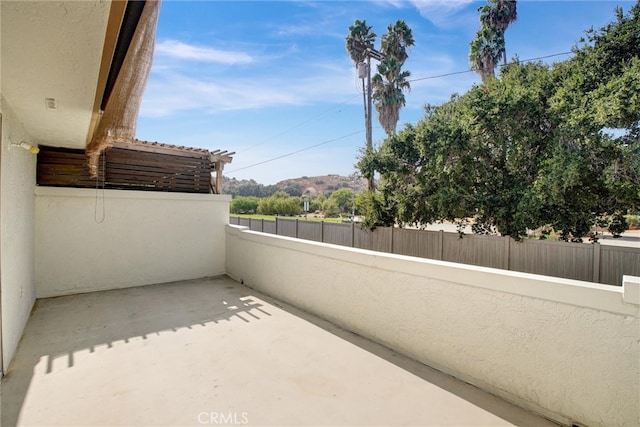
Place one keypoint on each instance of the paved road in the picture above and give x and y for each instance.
(629, 238)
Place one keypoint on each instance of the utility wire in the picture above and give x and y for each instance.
(296, 152)
(355, 133)
(500, 65)
(304, 122)
(440, 75)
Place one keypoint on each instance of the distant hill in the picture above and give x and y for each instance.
(305, 185)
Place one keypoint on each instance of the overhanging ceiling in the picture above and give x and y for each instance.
(53, 49)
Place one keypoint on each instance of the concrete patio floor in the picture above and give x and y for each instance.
(214, 352)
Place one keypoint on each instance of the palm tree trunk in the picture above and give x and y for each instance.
(366, 126)
(369, 129)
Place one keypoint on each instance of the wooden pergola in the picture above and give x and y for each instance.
(219, 158)
(137, 165)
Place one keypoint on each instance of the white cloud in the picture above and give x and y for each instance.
(172, 90)
(169, 93)
(296, 30)
(439, 12)
(172, 94)
(183, 51)
(440, 5)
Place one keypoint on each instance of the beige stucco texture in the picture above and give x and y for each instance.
(205, 351)
(566, 349)
(91, 240)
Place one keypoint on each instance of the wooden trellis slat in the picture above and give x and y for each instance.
(150, 169)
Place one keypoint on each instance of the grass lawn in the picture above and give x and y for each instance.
(301, 217)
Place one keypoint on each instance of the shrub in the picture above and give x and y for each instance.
(617, 224)
(244, 205)
(633, 221)
(280, 205)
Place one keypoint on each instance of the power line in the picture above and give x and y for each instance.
(501, 65)
(304, 122)
(440, 75)
(296, 152)
(360, 131)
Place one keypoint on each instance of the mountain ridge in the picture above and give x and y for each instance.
(305, 185)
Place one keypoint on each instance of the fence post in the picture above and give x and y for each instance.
(276, 226)
(507, 255)
(596, 262)
(392, 227)
(262, 225)
(296, 228)
(322, 231)
(440, 244)
(353, 237)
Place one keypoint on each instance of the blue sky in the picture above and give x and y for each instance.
(266, 79)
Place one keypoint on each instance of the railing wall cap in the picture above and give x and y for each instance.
(631, 289)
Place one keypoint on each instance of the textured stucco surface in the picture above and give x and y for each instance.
(53, 49)
(181, 354)
(17, 252)
(574, 362)
(140, 238)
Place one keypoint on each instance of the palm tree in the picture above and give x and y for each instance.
(499, 14)
(390, 81)
(389, 85)
(488, 47)
(359, 38)
(395, 43)
(485, 53)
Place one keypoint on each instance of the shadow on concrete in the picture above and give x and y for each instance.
(466, 391)
(60, 327)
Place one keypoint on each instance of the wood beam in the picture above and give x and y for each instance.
(116, 14)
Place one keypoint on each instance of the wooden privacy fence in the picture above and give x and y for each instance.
(581, 261)
(139, 165)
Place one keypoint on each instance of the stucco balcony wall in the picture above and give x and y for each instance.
(566, 349)
(92, 240)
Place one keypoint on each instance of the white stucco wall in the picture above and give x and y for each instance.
(145, 238)
(17, 222)
(566, 349)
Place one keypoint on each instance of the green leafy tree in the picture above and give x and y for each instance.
(245, 205)
(317, 203)
(377, 208)
(280, 203)
(531, 149)
(330, 208)
(599, 89)
(344, 199)
(247, 188)
(294, 189)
